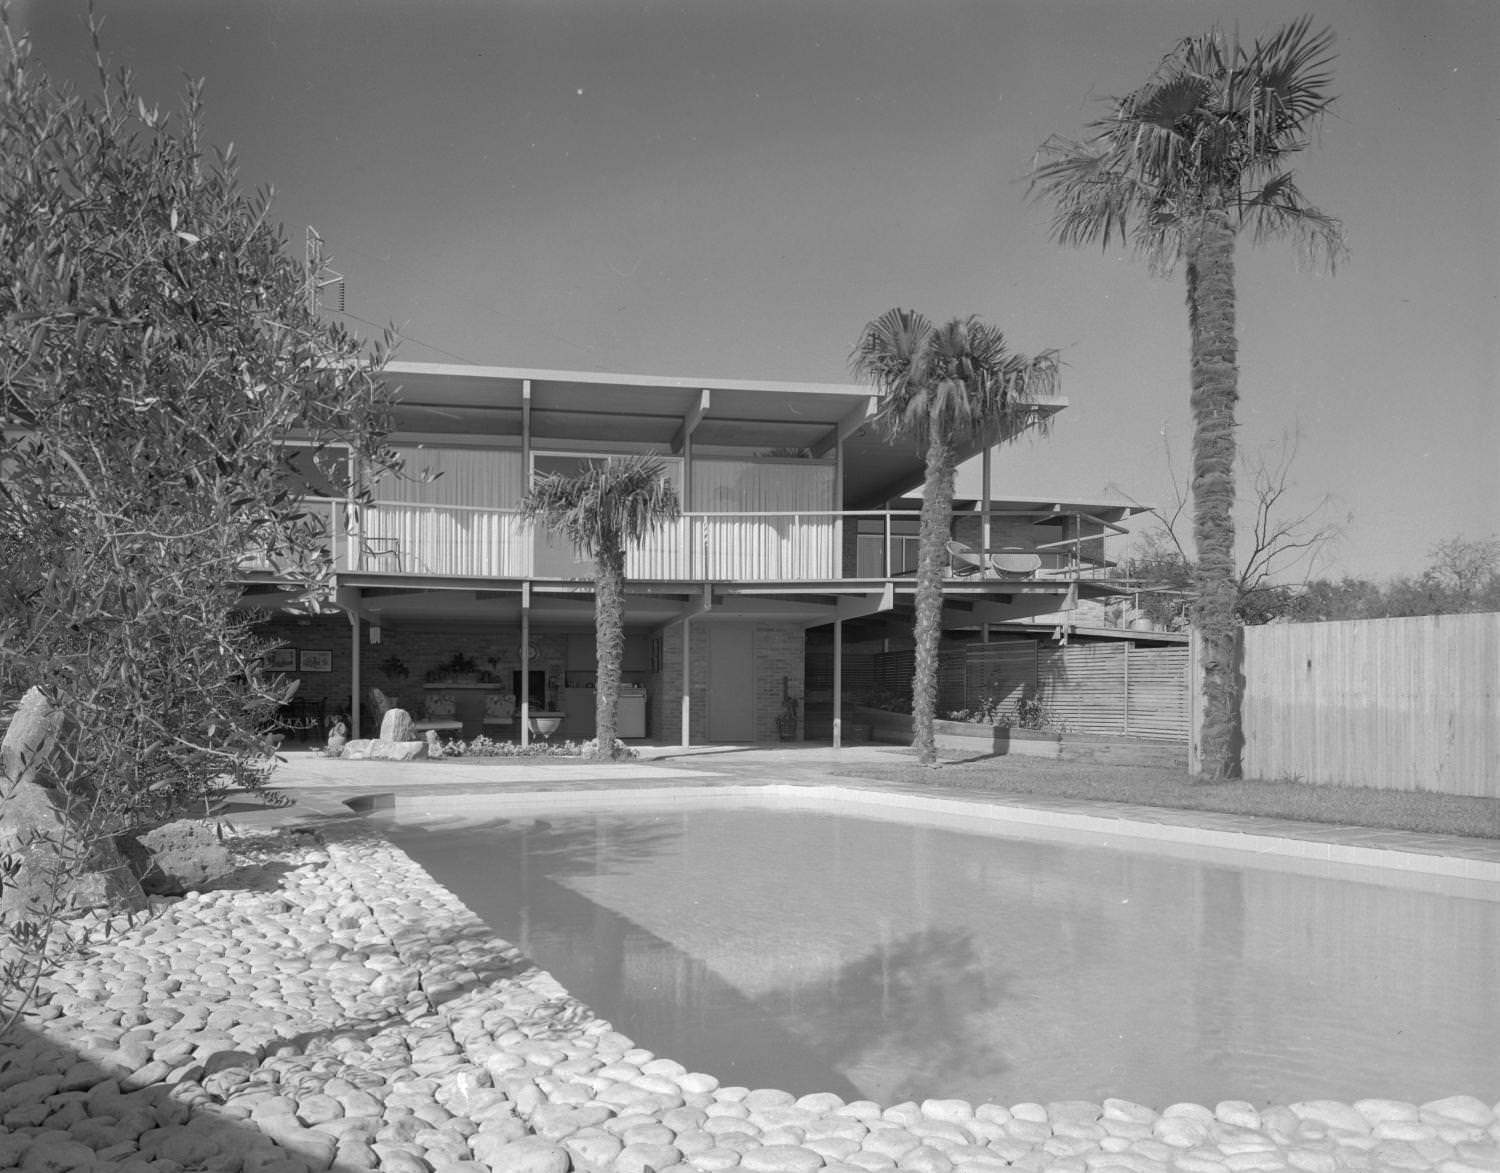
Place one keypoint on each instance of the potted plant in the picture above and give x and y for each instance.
(788, 719)
(461, 669)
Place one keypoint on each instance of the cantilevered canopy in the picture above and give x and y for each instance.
(581, 407)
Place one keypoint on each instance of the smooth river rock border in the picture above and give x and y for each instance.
(340, 1010)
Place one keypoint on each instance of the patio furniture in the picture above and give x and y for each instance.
(438, 715)
(300, 715)
(372, 549)
(381, 703)
(499, 709)
(963, 560)
(1015, 563)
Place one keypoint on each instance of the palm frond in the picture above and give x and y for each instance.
(605, 507)
(1212, 126)
(1178, 97)
(959, 379)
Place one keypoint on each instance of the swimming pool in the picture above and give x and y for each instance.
(894, 955)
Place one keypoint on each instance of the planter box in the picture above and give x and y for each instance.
(980, 740)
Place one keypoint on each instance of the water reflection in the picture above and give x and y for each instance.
(869, 958)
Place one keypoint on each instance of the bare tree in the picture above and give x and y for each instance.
(1286, 545)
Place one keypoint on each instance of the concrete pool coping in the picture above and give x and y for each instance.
(322, 787)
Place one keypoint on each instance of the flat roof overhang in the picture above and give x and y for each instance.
(572, 407)
(654, 603)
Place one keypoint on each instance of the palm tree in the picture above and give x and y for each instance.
(603, 509)
(1177, 169)
(940, 386)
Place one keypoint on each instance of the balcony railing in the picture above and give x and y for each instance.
(802, 546)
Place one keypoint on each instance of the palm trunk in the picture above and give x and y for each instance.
(1215, 376)
(932, 556)
(609, 632)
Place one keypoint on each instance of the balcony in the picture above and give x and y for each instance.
(817, 546)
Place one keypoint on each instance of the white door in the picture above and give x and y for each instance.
(731, 683)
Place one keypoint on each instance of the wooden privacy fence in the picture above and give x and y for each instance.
(1083, 688)
(1399, 704)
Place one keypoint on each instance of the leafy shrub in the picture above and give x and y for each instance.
(889, 699)
(1026, 713)
(157, 354)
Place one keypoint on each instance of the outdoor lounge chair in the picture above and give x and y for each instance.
(963, 560)
(1015, 563)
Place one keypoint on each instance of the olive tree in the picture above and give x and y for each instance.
(158, 357)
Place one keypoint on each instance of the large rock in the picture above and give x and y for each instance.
(378, 749)
(395, 725)
(35, 826)
(180, 856)
(31, 739)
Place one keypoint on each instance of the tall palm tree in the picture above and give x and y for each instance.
(940, 386)
(1177, 169)
(602, 510)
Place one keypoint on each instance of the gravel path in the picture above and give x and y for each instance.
(338, 1009)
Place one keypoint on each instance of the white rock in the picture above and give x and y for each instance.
(1181, 1131)
(1331, 1114)
(780, 1159)
(1240, 1113)
(55, 1153)
(1467, 1109)
(1128, 1111)
(593, 1147)
(948, 1111)
(638, 1158)
(1190, 1111)
(1377, 1111)
(1312, 1161)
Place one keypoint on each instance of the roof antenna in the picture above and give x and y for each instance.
(319, 275)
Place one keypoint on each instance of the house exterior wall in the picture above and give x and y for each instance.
(778, 655)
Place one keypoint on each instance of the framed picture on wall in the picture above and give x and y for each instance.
(281, 660)
(656, 653)
(317, 661)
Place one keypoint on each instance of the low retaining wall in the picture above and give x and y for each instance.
(1000, 741)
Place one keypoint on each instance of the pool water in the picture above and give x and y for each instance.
(814, 951)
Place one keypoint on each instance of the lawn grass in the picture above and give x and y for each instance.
(1396, 810)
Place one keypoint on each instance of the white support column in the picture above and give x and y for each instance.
(354, 676)
(525, 658)
(984, 517)
(686, 702)
(838, 518)
(838, 683)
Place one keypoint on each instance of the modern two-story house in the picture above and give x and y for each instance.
(796, 518)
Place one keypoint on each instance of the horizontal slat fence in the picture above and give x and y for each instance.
(1399, 704)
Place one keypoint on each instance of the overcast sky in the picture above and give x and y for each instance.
(732, 188)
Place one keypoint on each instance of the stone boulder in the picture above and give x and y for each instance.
(395, 725)
(36, 826)
(180, 856)
(379, 750)
(31, 740)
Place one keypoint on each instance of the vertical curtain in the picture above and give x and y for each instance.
(773, 547)
(416, 510)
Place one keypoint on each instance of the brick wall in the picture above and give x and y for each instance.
(778, 653)
(419, 645)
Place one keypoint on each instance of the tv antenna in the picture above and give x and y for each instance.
(319, 275)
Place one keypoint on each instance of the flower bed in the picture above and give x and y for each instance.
(999, 740)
